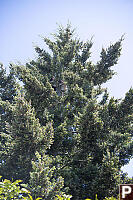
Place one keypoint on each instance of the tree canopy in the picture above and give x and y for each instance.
(60, 137)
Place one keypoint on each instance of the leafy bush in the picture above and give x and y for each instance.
(13, 190)
(68, 197)
(64, 197)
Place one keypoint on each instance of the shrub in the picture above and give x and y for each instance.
(13, 190)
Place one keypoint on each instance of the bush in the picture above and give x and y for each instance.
(68, 197)
(13, 190)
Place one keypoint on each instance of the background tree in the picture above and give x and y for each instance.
(92, 137)
(7, 93)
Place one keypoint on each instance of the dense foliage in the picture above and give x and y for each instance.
(16, 190)
(59, 137)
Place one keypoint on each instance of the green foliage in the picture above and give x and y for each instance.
(43, 179)
(15, 190)
(12, 190)
(7, 85)
(110, 198)
(64, 197)
(82, 141)
(7, 92)
(68, 197)
(26, 136)
(30, 198)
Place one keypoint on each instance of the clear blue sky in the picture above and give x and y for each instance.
(22, 21)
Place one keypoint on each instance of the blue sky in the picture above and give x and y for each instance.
(21, 23)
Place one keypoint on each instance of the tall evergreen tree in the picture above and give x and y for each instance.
(7, 93)
(92, 138)
(27, 137)
(7, 84)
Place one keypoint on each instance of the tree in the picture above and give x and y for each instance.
(92, 137)
(43, 179)
(7, 93)
(27, 137)
(8, 87)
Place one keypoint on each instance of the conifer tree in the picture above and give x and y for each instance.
(7, 92)
(44, 180)
(27, 137)
(92, 138)
(7, 84)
